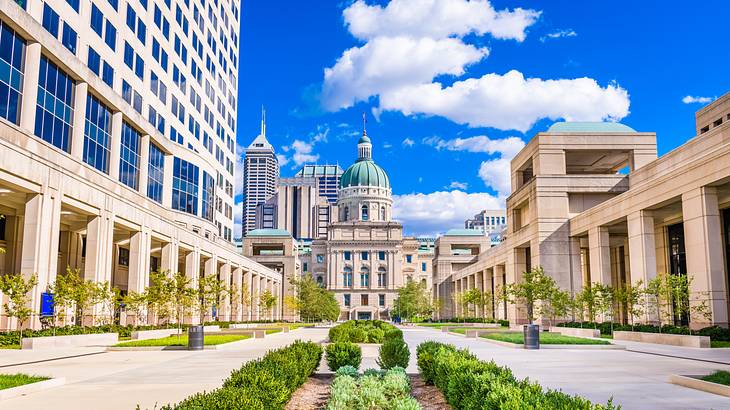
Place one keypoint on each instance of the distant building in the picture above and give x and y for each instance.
(327, 177)
(260, 177)
(488, 221)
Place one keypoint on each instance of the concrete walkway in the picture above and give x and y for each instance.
(634, 380)
(121, 380)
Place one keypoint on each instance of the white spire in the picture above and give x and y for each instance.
(263, 120)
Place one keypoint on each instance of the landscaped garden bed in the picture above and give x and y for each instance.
(546, 338)
(8, 381)
(666, 334)
(363, 331)
(717, 382)
(182, 340)
(15, 385)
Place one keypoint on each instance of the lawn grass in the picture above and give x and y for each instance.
(719, 377)
(10, 347)
(606, 336)
(547, 338)
(182, 340)
(459, 330)
(719, 343)
(272, 331)
(14, 380)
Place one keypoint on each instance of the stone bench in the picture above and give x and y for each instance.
(255, 333)
(60, 342)
(576, 332)
(663, 339)
(152, 334)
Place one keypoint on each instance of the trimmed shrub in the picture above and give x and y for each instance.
(358, 335)
(469, 383)
(393, 333)
(343, 354)
(347, 370)
(376, 336)
(393, 353)
(267, 383)
(391, 390)
(361, 331)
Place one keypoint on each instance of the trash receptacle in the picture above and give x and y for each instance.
(532, 336)
(195, 338)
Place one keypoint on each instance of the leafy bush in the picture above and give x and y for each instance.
(376, 336)
(343, 354)
(394, 352)
(373, 391)
(347, 370)
(469, 383)
(361, 331)
(267, 383)
(11, 338)
(393, 333)
(358, 335)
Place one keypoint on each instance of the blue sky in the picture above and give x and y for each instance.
(452, 87)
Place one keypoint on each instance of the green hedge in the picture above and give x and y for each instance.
(501, 322)
(393, 353)
(267, 383)
(716, 333)
(363, 331)
(470, 384)
(343, 354)
(11, 338)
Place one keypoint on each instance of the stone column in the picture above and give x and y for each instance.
(170, 254)
(99, 253)
(39, 247)
(144, 163)
(248, 284)
(642, 251)
(192, 272)
(600, 254)
(30, 87)
(139, 263)
(498, 290)
(224, 311)
(236, 304)
(705, 260)
(81, 91)
(255, 293)
(116, 145)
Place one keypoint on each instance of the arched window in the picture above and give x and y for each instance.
(423, 283)
(320, 281)
(347, 214)
(364, 212)
(382, 213)
(382, 277)
(347, 277)
(365, 277)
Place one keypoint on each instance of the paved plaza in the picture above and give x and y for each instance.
(121, 380)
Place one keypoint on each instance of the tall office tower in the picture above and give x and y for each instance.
(328, 179)
(488, 221)
(260, 176)
(117, 139)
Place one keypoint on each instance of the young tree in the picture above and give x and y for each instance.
(413, 302)
(267, 300)
(246, 301)
(71, 291)
(136, 303)
(631, 298)
(159, 296)
(588, 300)
(471, 299)
(657, 294)
(234, 296)
(17, 290)
(311, 301)
(209, 291)
(556, 305)
(109, 298)
(534, 288)
(605, 302)
(182, 296)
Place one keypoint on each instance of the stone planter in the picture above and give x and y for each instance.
(694, 382)
(663, 339)
(211, 328)
(61, 342)
(576, 332)
(152, 334)
(31, 388)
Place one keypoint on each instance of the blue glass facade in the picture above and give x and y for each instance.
(208, 196)
(129, 157)
(12, 49)
(97, 134)
(54, 109)
(155, 173)
(185, 186)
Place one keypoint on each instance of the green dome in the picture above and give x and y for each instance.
(364, 172)
(364, 139)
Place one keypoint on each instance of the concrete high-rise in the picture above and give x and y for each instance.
(328, 179)
(117, 142)
(260, 177)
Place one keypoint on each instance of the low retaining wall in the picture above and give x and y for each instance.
(663, 339)
(255, 333)
(694, 382)
(576, 332)
(31, 388)
(152, 334)
(60, 342)
(211, 328)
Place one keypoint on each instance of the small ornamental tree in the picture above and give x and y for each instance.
(588, 300)
(534, 288)
(17, 289)
(246, 301)
(631, 297)
(311, 301)
(109, 298)
(657, 293)
(471, 299)
(556, 305)
(159, 297)
(267, 300)
(234, 297)
(413, 302)
(605, 302)
(182, 296)
(71, 291)
(136, 303)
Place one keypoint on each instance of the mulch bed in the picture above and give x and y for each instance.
(429, 397)
(313, 395)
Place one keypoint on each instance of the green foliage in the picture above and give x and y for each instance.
(413, 302)
(393, 353)
(470, 384)
(373, 391)
(182, 340)
(393, 333)
(363, 331)
(534, 287)
(14, 380)
(267, 383)
(347, 370)
(719, 377)
(267, 300)
(546, 338)
(17, 289)
(313, 302)
(72, 292)
(343, 354)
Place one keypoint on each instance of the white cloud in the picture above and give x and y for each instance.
(697, 100)
(458, 185)
(481, 143)
(437, 19)
(237, 219)
(303, 152)
(496, 174)
(430, 214)
(283, 160)
(511, 101)
(385, 64)
(387, 145)
(408, 142)
(559, 34)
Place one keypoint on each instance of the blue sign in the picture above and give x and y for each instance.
(47, 304)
